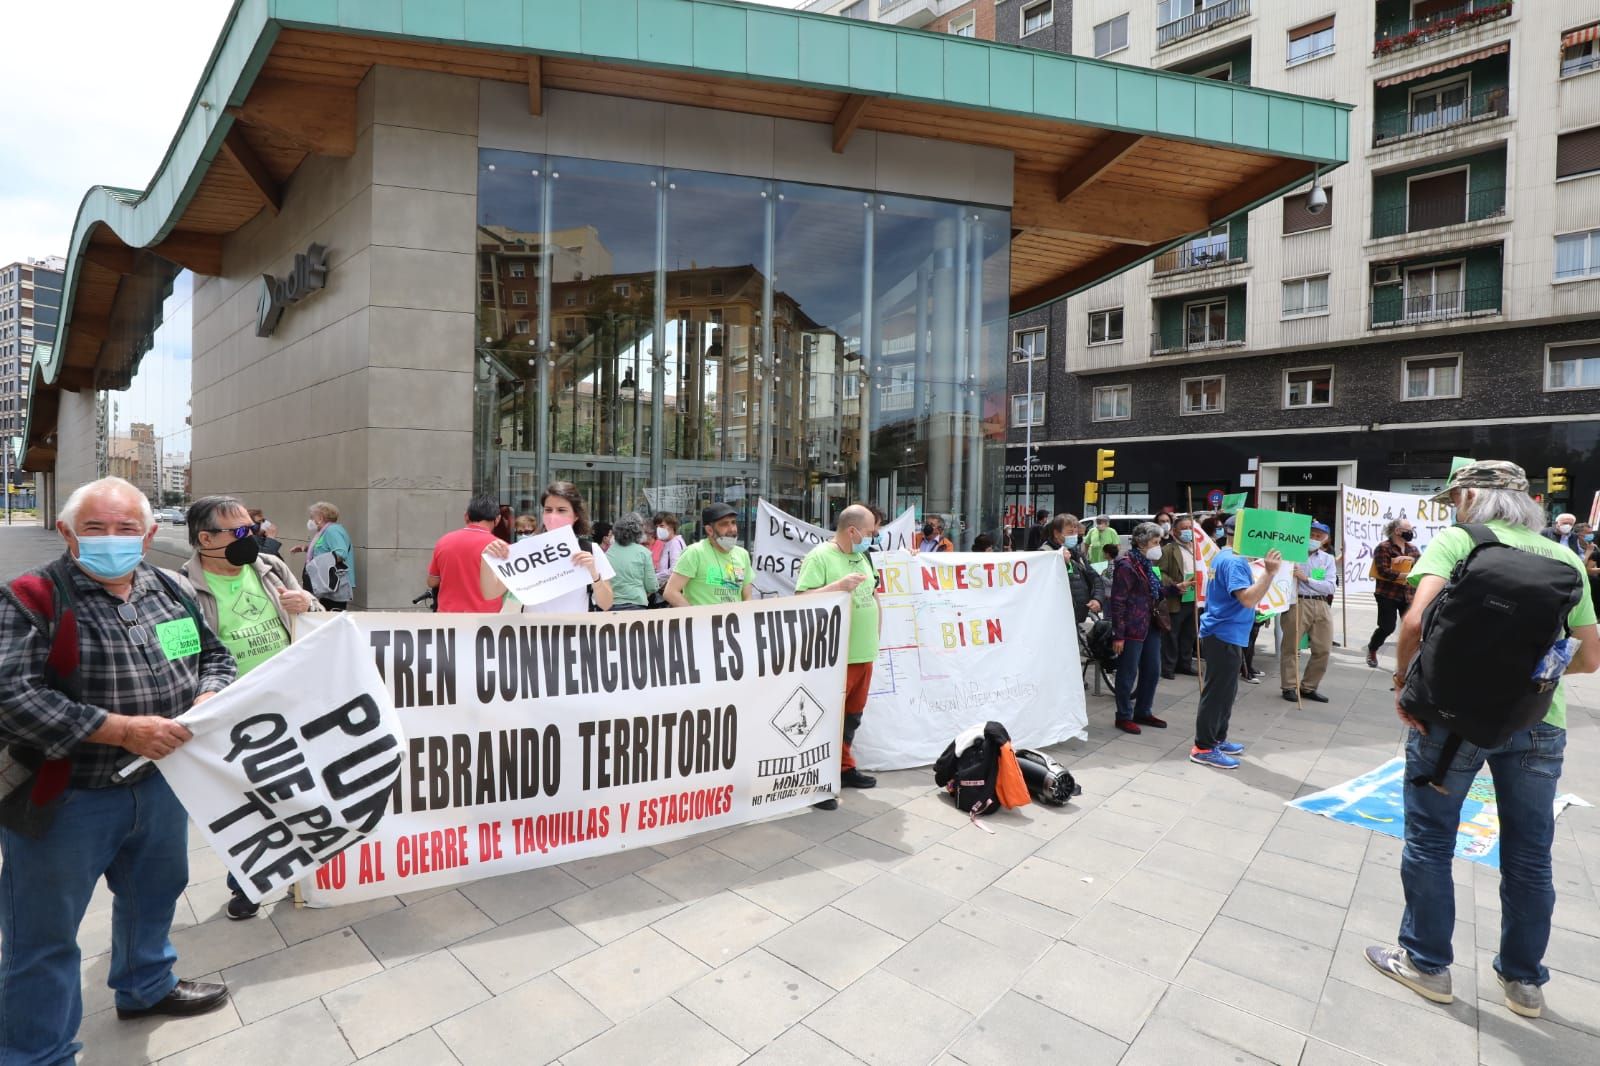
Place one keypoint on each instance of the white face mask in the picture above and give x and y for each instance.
(311, 525)
(727, 544)
(1152, 553)
(663, 533)
(1564, 528)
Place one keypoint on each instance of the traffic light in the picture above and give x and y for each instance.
(1091, 492)
(1105, 464)
(1555, 480)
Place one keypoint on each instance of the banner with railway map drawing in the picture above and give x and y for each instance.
(532, 740)
(1363, 514)
(967, 638)
(782, 541)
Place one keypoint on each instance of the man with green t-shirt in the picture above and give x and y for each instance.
(714, 570)
(1095, 541)
(841, 565)
(245, 596)
(1526, 769)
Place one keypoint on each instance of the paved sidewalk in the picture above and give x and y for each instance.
(1173, 914)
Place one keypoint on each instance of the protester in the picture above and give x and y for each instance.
(1310, 614)
(715, 569)
(455, 570)
(504, 524)
(933, 538)
(1087, 587)
(562, 506)
(265, 533)
(248, 599)
(665, 547)
(1247, 663)
(1526, 770)
(983, 542)
(1111, 551)
(1164, 520)
(602, 535)
(1177, 571)
(635, 582)
(1137, 620)
(327, 535)
(1036, 530)
(1232, 593)
(1591, 559)
(1098, 538)
(130, 830)
(1564, 531)
(841, 565)
(1391, 562)
(527, 525)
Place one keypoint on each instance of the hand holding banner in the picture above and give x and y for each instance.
(782, 541)
(1258, 532)
(540, 567)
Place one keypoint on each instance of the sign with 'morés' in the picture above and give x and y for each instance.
(309, 274)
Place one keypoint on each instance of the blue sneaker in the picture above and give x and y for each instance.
(1228, 747)
(1214, 758)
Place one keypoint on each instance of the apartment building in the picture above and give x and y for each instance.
(1441, 296)
(30, 303)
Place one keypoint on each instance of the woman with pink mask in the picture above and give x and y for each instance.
(561, 506)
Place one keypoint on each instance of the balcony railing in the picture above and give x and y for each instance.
(1437, 306)
(1409, 33)
(1201, 21)
(1172, 343)
(1196, 256)
(1479, 107)
(1433, 214)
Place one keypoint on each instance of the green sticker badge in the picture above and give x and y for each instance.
(179, 638)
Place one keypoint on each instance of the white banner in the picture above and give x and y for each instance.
(294, 762)
(783, 540)
(968, 638)
(540, 567)
(540, 739)
(1365, 512)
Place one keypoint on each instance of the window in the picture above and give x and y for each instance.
(1111, 36)
(1311, 41)
(1105, 327)
(1308, 387)
(1170, 11)
(1578, 255)
(1440, 105)
(1205, 323)
(622, 289)
(1131, 497)
(519, 270)
(1027, 409)
(1037, 17)
(1435, 200)
(1432, 378)
(1298, 216)
(857, 10)
(965, 25)
(1031, 342)
(1434, 291)
(1580, 50)
(1201, 396)
(1113, 403)
(571, 299)
(1572, 366)
(715, 287)
(1578, 152)
(524, 326)
(1305, 296)
(520, 297)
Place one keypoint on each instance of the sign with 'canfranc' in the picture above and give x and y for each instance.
(532, 740)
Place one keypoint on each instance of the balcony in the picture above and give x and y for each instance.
(1398, 34)
(913, 13)
(1184, 345)
(1420, 215)
(1200, 255)
(1209, 17)
(1479, 107)
(1423, 308)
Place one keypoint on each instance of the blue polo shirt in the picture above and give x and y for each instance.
(1225, 617)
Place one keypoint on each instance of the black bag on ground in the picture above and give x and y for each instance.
(1048, 781)
(1099, 643)
(968, 766)
(1483, 637)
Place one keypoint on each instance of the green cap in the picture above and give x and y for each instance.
(1485, 474)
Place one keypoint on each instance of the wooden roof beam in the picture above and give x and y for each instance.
(1104, 212)
(236, 148)
(535, 85)
(1280, 176)
(319, 119)
(848, 120)
(199, 252)
(1096, 163)
(1073, 280)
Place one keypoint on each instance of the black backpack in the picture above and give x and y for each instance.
(969, 774)
(1048, 781)
(1483, 638)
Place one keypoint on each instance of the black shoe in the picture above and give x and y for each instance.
(829, 804)
(1168, 676)
(241, 909)
(1152, 721)
(1372, 658)
(1288, 694)
(1189, 670)
(189, 997)
(853, 778)
(1314, 697)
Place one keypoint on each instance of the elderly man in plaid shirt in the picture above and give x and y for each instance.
(144, 655)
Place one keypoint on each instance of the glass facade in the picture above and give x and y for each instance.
(664, 338)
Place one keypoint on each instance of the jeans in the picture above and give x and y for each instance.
(1177, 643)
(1218, 688)
(137, 836)
(1140, 662)
(1389, 614)
(1526, 770)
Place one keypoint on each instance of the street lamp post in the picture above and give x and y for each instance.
(1027, 461)
(6, 441)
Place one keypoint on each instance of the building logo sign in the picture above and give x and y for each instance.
(310, 274)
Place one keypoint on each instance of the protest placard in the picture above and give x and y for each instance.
(540, 567)
(533, 740)
(782, 542)
(294, 762)
(1258, 532)
(1234, 502)
(1363, 514)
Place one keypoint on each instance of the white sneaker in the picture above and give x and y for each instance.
(1395, 964)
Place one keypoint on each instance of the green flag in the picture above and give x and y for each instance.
(1459, 461)
(1257, 532)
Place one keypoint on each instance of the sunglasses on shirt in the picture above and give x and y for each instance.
(136, 630)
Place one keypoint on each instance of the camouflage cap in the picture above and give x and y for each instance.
(1485, 474)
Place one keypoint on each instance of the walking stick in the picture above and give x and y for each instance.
(1194, 553)
(1299, 704)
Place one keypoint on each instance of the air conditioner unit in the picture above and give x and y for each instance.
(1389, 275)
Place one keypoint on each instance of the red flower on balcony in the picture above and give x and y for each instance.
(1440, 28)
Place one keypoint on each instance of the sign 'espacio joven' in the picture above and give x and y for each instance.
(310, 273)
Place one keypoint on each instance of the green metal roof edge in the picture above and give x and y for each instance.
(726, 38)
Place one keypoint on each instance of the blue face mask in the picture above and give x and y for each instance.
(1588, 536)
(864, 544)
(1186, 535)
(1071, 540)
(110, 557)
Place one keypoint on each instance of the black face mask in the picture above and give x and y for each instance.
(927, 529)
(242, 552)
(1409, 535)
